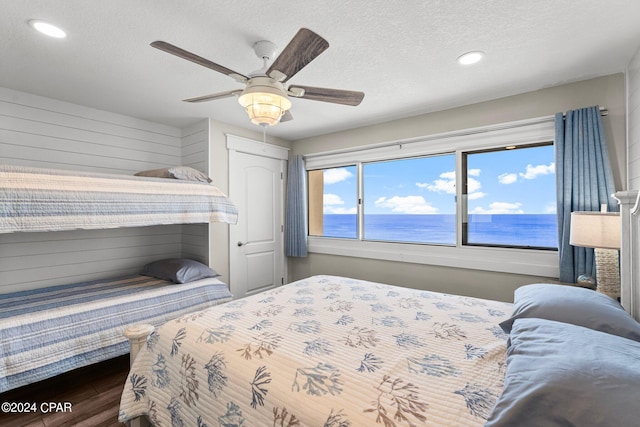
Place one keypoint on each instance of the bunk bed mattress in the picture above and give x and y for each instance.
(325, 350)
(34, 199)
(45, 332)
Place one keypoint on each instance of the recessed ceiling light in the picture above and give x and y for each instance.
(47, 29)
(470, 57)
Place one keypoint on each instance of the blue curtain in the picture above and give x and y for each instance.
(296, 209)
(584, 182)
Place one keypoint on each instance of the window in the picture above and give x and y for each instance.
(481, 198)
(333, 198)
(410, 200)
(510, 197)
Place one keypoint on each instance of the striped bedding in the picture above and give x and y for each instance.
(33, 199)
(324, 351)
(45, 332)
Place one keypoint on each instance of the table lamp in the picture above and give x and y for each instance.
(601, 231)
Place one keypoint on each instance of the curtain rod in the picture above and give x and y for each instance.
(603, 112)
(460, 132)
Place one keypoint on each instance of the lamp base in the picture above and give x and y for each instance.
(608, 272)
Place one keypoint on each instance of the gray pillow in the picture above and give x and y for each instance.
(575, 305)
(178, 270)
(560, 374)
(176, 172)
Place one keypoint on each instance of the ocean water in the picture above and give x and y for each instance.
(537, 230)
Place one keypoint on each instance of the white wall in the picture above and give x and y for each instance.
(42, 132)
(633, 122)
(607, 92)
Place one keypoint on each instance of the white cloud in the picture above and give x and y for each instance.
(332, 205)
(332, 199)
(551, 208)
(447, 184)
(332, 176)
(406, 205)
(448, 175)
(533, 171)
(508, 178)
(476, 195)
(500, 208)
(473, 185)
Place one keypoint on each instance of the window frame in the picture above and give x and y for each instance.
(462, 192)
(539, 262)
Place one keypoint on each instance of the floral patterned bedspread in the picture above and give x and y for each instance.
(324, 351)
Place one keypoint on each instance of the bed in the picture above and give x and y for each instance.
(45, 332)
(629, 202)
(48, 331)
(37, 199)
(328, 351)
(334, 351)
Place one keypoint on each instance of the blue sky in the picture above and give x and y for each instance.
(511, 181)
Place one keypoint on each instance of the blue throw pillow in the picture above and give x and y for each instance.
(560, 374)
(178, 270)
(575, 305)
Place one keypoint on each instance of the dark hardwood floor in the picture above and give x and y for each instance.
(93, 395)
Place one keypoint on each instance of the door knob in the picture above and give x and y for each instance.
(240, 243)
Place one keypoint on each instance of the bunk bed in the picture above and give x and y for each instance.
(48, 331)
(337, 351)
(36, 199)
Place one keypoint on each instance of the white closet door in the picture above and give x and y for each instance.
(256, 252)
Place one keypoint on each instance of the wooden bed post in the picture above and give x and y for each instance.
(137, 336)
(629, 202)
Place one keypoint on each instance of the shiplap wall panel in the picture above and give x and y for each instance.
(25, 134)
(37, 131)
(633, 122)
(195, 242)
(65, 159)
(54, 106)
(45, 259)
(195, 149)
(43, 132)
(195, 146)
(87, 128)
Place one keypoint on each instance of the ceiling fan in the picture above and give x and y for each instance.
(265, 96)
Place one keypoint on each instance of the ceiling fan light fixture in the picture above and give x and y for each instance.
(265, 101)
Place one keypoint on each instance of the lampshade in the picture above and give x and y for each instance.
(595, 229)
(265, 101)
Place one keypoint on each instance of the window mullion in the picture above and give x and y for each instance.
(360, 204)
(461, 198)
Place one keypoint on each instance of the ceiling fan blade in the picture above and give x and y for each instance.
(179, 52)
(336, 96)
(213, 96)
(286, 116)
(303, 48)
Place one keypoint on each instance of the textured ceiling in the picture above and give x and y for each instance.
(402, 54)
